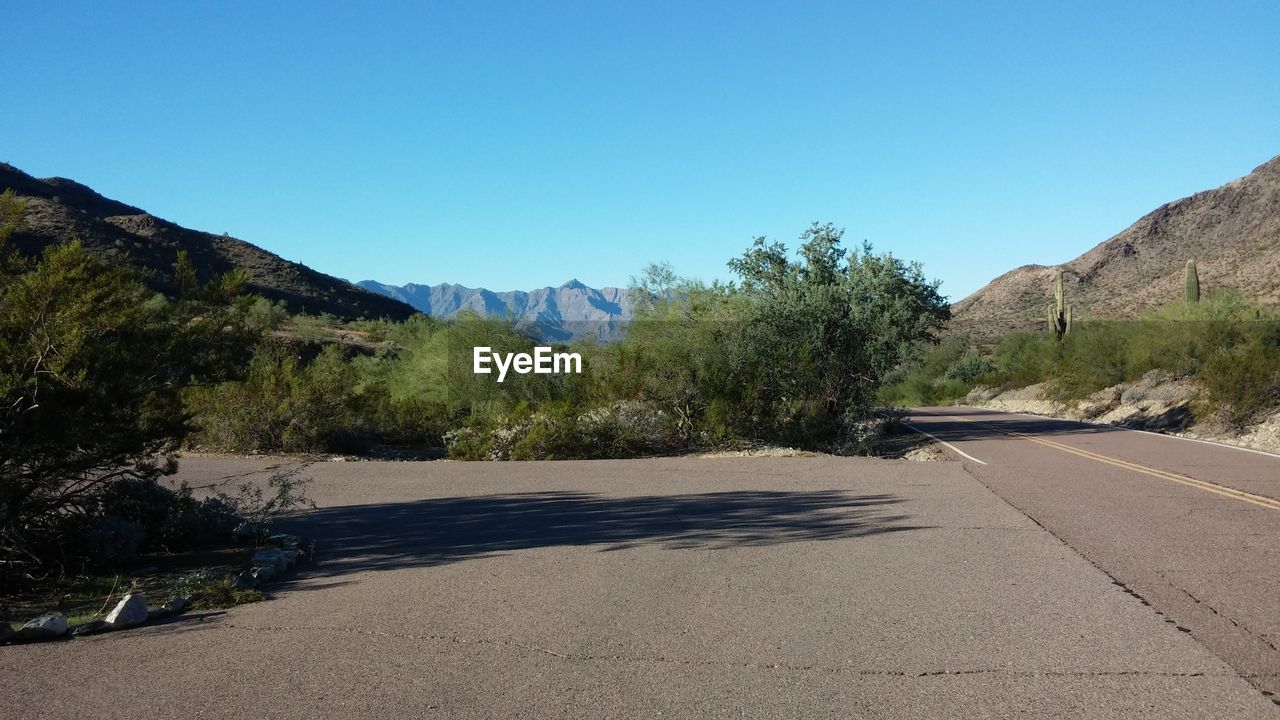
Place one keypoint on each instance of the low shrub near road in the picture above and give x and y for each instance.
(1230, 347)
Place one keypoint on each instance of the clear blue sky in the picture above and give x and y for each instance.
(478, 143)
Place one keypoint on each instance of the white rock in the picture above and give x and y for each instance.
(285, 540)
(272, 558)
(45, 627)
(131, 610)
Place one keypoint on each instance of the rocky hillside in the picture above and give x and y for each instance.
(1233, 234)
(58, 210)
(568, 312)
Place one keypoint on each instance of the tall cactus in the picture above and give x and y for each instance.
(1059, 311)
(1192, 281)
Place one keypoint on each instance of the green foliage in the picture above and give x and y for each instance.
(820, 336)
(215, 593)
(314, 328)
(938, 375)
(1245, 380)
(184, 274)
(1024, 359)
(1228, 344)
(258, 506)
(794, 354)
(1192, 281)
(91, 366)
(969, 369)
(262, 315)
(11, 210)
(136, 515)
(563, 431)
(282, 404)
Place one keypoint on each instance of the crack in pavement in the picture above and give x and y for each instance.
(661, 659)
(1259, 636)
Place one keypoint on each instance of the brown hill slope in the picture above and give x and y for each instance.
(58, 210)
(1233, 234)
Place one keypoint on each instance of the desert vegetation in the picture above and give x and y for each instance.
(1226, 345)
(94, 367)
(104, 379)
(792, 352)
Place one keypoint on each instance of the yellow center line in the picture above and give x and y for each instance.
(1261, 500)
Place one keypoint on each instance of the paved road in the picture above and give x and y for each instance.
(747, 587)
(1191, 527)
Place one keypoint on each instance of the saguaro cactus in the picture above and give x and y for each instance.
(1192, 280)
(1059, 311)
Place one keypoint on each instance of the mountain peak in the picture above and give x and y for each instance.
(570, 311)
(1231, 232)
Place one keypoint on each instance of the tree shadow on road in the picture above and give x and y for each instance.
(965, 423)
(439, 531)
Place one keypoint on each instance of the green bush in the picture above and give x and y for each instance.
(91, 367)
(562, 431)
(1025, 359)
(1229, 345)
(969, 369)
(282, 405)
(1244, 381)
(936, 374)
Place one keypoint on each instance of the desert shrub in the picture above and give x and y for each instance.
(255, 505)
(1134, 395)
(793, 354)
(1024, 359)
(314, 328)
(282, 405)
(139, 502)
(135, 516)
(1227, 344)
(192, 522)
(263, 315)
(219, 592)
(1244, 381)
(969, 369)
(563, 431)
(108, 542)
(936, 374)
(91, 366)
(1092, 357)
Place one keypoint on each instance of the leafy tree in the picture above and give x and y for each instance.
(184, 273)
(91, 364)
(821, 333)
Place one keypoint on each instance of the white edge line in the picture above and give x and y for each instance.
(1241, 448)
(1215, 443)
(944, 442)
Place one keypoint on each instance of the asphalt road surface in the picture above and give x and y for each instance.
(1191, 527)
(747, 587)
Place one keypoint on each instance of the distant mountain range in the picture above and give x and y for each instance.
(564, 313)
(58, 210)
(1233, 234)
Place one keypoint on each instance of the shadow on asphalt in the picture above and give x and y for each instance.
(939, 423)
(446, 530)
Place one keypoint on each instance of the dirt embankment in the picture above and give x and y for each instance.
(1157, 402)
